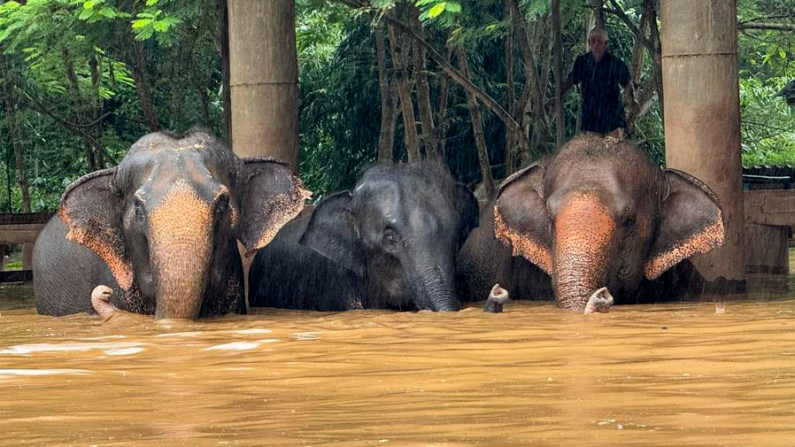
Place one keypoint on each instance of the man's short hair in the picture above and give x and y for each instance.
(598, 32)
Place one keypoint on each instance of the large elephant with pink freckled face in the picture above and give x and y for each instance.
(596, 214)
(161, 229)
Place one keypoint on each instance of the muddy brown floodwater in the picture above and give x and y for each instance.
(651, 375)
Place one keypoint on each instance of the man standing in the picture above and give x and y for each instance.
(599, 75)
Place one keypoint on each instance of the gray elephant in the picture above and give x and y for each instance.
(596, 214)
(162, 228)
(391, 242)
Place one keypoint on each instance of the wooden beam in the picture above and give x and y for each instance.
(770, 207)
(19, 233)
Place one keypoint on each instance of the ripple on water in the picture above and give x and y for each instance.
(40, 372)
(67, 347)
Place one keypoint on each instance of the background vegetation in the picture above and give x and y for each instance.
(81, 80)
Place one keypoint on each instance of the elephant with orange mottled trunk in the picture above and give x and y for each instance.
(596, 214)
(161, 229)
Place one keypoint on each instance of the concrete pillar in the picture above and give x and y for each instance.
(702, 113)
(264, 79)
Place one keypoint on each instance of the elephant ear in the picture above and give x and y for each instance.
(468, 210)
(691, 223)
(92, 210)
(271, 195)
(333, 233)
(520, 217)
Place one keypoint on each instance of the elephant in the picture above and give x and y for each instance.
(389, 243)
(162, 229)
(598, 213)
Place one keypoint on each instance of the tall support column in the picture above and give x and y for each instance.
(264, 79)
(702, 114)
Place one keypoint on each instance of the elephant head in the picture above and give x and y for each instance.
(166, 221)
(599, 213)
(399, 231)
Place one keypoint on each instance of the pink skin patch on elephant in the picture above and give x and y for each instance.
(180, 228)
(710, 237)
(584, 231)
(100, 300)
(104, 242)
(599, 302)
(521, 245)
(497, 297)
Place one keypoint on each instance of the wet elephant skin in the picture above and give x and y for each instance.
(390, 242)
(596, 214)
(162, 228)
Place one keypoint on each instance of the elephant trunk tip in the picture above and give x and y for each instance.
(100, 300)
(599, 302)
(497, 297)
(449, 306)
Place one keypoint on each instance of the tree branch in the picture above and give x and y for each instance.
(617, 11)
(767, 26)
(462, 80)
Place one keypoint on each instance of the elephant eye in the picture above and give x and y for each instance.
(628, 222)
(221, 204)
(140, 212)
(390, 240)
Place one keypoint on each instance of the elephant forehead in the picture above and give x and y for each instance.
(584, 209)
(179, 210)
(181, 171)
(383, 200)
(160, 141)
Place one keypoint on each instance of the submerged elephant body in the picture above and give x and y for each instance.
(596, 214)
(161, 229)
(390, 242)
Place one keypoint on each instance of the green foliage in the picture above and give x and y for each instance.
(338, 80)
(339, 105)
(43, 37)
(768, 124)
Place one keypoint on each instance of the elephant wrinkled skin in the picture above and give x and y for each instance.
(596, 214)
(391, 242)
(161, 229)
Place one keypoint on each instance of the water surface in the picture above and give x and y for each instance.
(650, 375)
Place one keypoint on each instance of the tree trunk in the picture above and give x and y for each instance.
(263, 80)
(536, 95)
(654, 36)
(429, 138)
(477, 128)
(138, 71)
(82, 109)
(399, 50)
(510, 135)
(386, 136)
(598, 13)
(463, 81)
(95, 131)
(560, 123)
(441, 116)
(225, 88)
(16, 142)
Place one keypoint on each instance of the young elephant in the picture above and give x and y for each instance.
(161, 229)
(596, 214)
(391, 243)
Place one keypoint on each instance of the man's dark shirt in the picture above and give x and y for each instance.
(602, 109)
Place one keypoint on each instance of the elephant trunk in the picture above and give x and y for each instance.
(436, 289)
(584, 231)
(181, 242)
